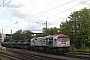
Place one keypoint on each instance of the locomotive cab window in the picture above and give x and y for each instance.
(65, 38)
(60, 39)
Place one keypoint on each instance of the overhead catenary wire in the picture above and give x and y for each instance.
(7, 3)
(49, 5)
(3, 4)
(67, 9)
(34, 3)
(53, 8)
(61, 11)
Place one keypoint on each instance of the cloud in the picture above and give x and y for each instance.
(14, 6)
(18, 14)
(85, 3)
(3, 21)
(29, 12)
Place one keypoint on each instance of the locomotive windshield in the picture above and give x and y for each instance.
(59, 39)
(65, 38)
(62, 38)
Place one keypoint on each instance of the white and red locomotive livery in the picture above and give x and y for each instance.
(59, 43)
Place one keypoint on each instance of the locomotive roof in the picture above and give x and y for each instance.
(51, 36)
(61, 35)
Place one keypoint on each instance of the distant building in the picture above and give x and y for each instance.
(3, 37)
(0, 39)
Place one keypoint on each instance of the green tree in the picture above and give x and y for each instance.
(66, 28)
(27, 34)
(79, 22)
(50, 31)
(18, 35)
(22, 35)
(82, 27)
(7, 39)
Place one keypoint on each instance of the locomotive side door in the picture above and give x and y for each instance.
(49, 41)
(54, 41)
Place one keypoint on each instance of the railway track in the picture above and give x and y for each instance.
(33, 55)
(79, 56)
(21, 54)
(10, 56)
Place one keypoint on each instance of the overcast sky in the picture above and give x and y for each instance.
(32, 14)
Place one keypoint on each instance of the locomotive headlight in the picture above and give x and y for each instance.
(60, 44)
(68, 43)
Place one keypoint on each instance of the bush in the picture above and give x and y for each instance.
(83, 47)
(7, 39)
(87, 50)
(72, 48)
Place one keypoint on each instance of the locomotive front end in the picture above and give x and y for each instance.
(63, 43)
